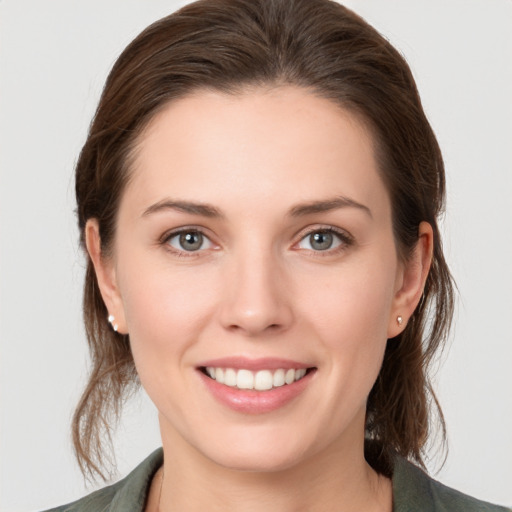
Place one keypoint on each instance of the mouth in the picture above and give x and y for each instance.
(256, 385)
(261, 380)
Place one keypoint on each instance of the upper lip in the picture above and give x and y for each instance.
(263, 363)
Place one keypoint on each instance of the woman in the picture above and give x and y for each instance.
(258, 197)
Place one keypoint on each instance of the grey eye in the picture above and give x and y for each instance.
(189, 241)
(321, 240)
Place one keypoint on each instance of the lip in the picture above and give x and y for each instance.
(263, 363)
(252, 401)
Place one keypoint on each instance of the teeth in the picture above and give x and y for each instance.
(261, 380)
(245, 379)
(300, 373)
(230, 377)
(219, 375)
(278, 379)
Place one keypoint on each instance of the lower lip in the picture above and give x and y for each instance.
(250, 401)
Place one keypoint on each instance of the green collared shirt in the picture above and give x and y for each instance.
(413, 491)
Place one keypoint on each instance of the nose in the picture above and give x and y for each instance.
(256, 299)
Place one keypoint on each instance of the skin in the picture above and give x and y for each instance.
(257, 287)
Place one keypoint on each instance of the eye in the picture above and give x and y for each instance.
(190, 240)
(323, 240)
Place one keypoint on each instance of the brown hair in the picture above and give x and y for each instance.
(227, 45)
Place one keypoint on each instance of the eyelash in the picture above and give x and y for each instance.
(345, 239)
(182, 253)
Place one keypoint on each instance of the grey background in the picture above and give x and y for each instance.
(54, 57)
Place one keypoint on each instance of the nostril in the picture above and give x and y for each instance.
(256, 329)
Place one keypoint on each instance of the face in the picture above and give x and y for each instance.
(255, 270)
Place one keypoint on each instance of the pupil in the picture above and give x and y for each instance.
(321, 241)
(191, 241)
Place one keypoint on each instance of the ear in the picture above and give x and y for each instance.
(410, 280)
(106, 275)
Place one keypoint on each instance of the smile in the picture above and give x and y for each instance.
(261, 380)
(255, 385)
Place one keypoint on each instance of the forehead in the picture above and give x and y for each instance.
(261, 144)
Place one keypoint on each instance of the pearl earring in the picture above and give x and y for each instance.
(399, 320)
(111, 321)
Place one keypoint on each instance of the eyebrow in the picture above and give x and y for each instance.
(204, 210)
(300, 210)
(328, 205)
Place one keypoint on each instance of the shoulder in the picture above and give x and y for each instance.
(97, 501)
(127, 495)
(414, 490)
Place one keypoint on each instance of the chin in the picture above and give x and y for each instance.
(258, 453)
(256, 462)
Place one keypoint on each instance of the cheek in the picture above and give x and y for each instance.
(357, 299)
(165, 310)
(350, 315)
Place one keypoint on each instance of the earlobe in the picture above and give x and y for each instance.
(412, 279)
(105, 275)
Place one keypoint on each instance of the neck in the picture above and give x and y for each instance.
(338, 478)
